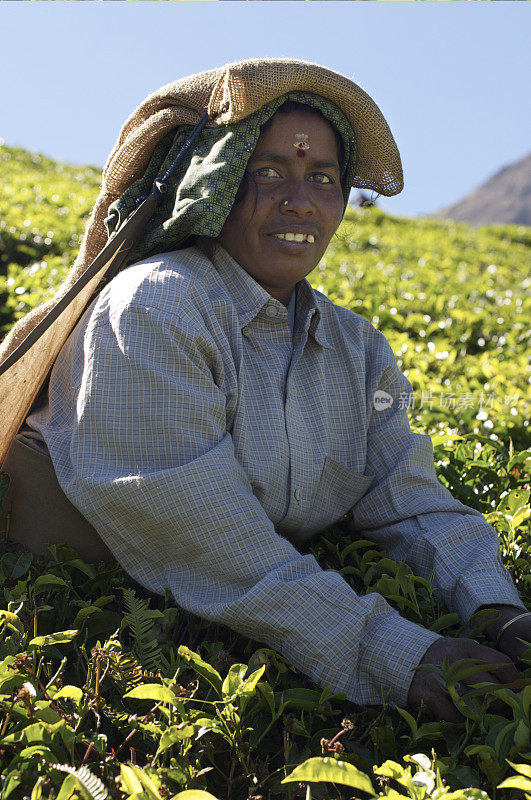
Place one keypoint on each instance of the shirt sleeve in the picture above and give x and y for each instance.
(155, 472)
(413, 516)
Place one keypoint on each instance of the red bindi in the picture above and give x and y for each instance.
(301, 143)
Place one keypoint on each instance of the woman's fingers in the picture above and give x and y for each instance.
(514, 640)
(481, 677)
(442, 707)
(426, 688)
(504, 670)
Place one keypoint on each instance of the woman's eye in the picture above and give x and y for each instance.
(267, 172)
(321, 177)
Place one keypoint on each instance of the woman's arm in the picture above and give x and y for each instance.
(415, 518)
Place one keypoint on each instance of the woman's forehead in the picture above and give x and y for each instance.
(299, 127)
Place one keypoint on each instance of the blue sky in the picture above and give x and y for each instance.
(450, 77)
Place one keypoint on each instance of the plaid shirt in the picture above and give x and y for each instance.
(203, 442)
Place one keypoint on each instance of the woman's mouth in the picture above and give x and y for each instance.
(295, 237)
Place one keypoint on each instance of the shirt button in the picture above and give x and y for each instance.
(271, 311)
(297, 494)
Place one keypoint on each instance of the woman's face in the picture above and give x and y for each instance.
(294, 195)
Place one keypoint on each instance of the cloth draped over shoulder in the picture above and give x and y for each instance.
(248, 90)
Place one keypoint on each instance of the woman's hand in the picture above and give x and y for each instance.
(508, 642)
(426, 687)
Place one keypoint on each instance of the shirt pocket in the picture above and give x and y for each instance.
(338, 489)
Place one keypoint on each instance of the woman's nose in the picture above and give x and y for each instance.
(297, 199)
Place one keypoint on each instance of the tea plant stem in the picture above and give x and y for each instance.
(6, 723)
(218, 769)
(97, 683)
(284, 770)
(231, 777)
(127, 739)
(143, 720)
(79, 659)
(267, 729)
(56, 675)
(470, 729)
(38, 674)
(329, 745)
(87, 753)
(35, 614)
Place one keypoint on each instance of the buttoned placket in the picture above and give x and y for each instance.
(274, 316)
(271, 322)
(298, 501)
(269, 347)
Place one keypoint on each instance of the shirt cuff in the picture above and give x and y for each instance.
(484, 588)
(393, 647)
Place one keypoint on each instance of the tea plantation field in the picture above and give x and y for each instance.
(106, 691)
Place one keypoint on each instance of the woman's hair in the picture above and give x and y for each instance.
(287, 108)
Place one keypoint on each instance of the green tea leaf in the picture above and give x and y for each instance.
(526, 701)
(18, 563)
(83, 613)
(153, 691)
(68, 789)
(516, 783)
(298, 699)
(71, 693)
(445, 621)
(47, 580)
(12, 620)
(175, 734)
(61, 637)
(234, 679)
(202, 668)
(138, 775)
(523, 769)
(267, 692)
(318, 770)
(129, 780)
(409, 719)
(248, 686)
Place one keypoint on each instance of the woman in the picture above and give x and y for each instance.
(211, 410)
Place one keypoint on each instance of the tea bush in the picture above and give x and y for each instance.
(108, 691)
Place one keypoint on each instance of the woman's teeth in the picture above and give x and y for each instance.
(296, 237)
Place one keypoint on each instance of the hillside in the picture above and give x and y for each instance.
(449, 297)
(505, 198)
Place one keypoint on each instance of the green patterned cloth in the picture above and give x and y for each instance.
(203, 188)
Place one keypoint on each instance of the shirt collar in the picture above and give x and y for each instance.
(249, 297)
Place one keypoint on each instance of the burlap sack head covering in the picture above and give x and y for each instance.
(230, 94)
(202, 191)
